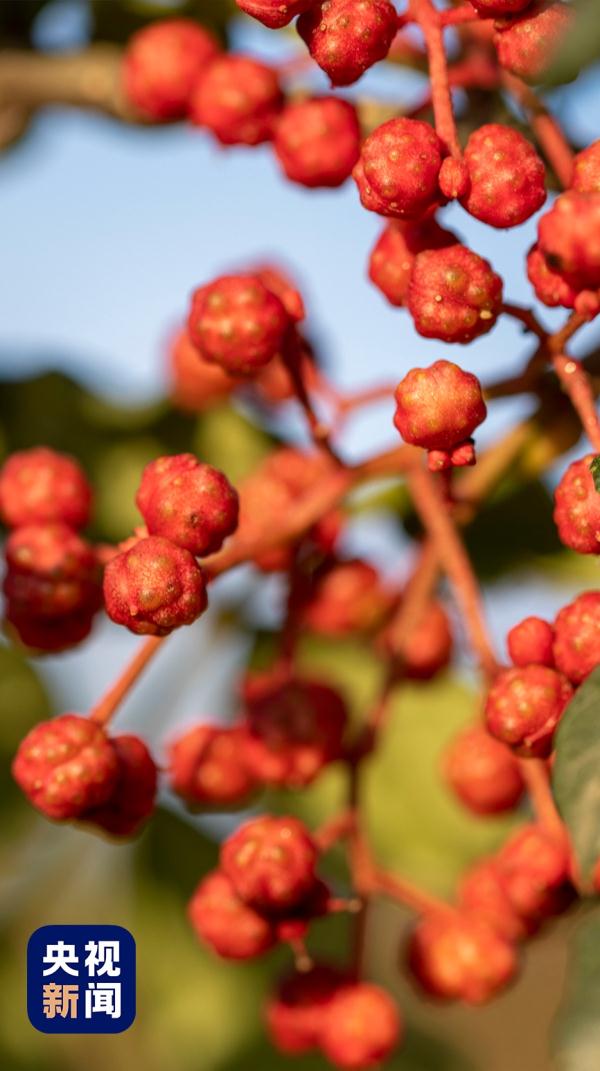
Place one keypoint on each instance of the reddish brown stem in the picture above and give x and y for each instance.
(576, 383)
(535, 775)
(431, 25)
(408, 894)
(547, 129)
(104, 710)
(430, 506)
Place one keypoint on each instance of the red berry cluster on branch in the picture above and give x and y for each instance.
(245, 339)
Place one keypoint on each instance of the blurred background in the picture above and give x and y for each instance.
(106, 228)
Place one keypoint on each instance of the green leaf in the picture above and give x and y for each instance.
(595, 471)
(576, 774)
(579, 48)
(576, 1033)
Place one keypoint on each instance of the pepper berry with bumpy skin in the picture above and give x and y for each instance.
(393, 255)
(66, 766)
(297, 1012)
(397, 173)
(586, 170)
(271, 863)
(162, 63)
(534, 868)
(51, 571)
(40, 485)
(482, 895)
(348, 598)
(551, 288)
(223, 921)
(238, 99)
(527, 44)
(483, 773)
(346, 37)
(531, 641)
(207, 766)
(196, 384)
(577, 508)
(569, 238)
(238, 323)
(154, 588)
(427, 648)
(453, 294)
(458, 957)
(507, 177)
(361, 1027)
(438, 407)
(188, 502)
(524, 706)
(295, 727)
(274, 13)
(132, 799)
(577, 637)
(317, 141)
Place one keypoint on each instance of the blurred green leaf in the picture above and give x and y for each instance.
(228, 440)
(595, 470)
(576, 774)
(576, 1034)
(580, 47)
(23, 702)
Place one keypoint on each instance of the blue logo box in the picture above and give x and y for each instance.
(81, 979)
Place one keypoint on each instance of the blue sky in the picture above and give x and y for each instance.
(106, 229)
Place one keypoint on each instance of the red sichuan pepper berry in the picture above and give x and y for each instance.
(226, 923)
(295, 727)
(317, 141)
(586, 170)
(532, 641)
(483, 773)
(393, 255)
(346, 37)
(238, 99)
(498, 8)
(397, 173)
(40, 485)
(534, 868)
(361, 1027)
(507, 177)
(524, 707)
(551, 288)
(49, 635)
(527, 44)
(296, 1014)
(482, 895)
(458, 957)
(271, 863)
(428, 647)
(51, 571)
(162, 63)
(348, 598)
(577, 508)
(196, 384)
(577, 637)
(132, 799)
(569, 238)
(438, 407)
(207, 766)
(188, 502)
(274, 13)
(453, 294)
(154, 588)
(238, 323)
(66, 766)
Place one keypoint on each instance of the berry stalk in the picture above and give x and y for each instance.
(431, 25)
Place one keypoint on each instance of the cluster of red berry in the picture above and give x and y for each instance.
(244, 333)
